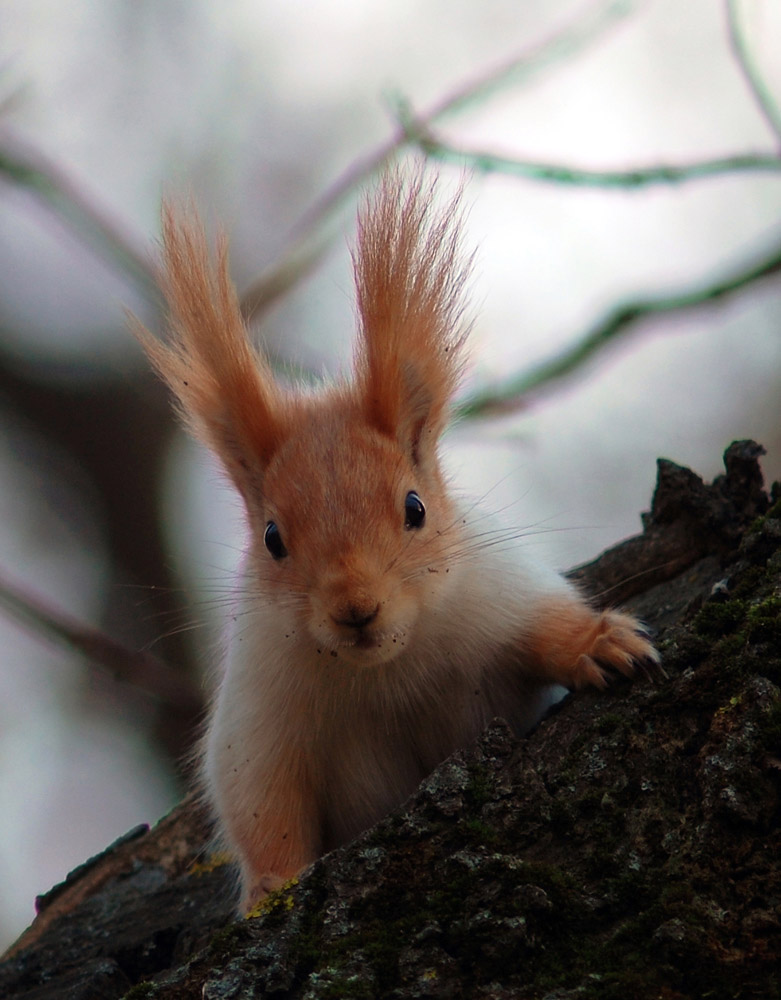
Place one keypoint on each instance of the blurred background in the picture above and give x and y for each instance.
(272, 115)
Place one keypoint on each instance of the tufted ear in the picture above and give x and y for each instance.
(409, 277)
(225, 390)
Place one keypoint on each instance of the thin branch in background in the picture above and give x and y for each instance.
(308, 241)
(521, 68)
(514, 393)
(553, 173)
(298, 261)
(759, 90)
(135, 667)
(79, 211)
(32, 170)
(583, 31)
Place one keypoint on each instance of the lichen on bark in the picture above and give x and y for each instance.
(628, 847)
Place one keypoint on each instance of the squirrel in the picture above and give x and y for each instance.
(380, 622)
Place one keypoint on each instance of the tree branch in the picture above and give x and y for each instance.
(141, 669)
(307, 242)
(513, 393)
(759, 90)
(91, 224)
(553, 173)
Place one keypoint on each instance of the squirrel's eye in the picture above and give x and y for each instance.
(273, 541)
(414, 511)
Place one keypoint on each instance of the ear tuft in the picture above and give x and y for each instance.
(409, 276)
(225, 390)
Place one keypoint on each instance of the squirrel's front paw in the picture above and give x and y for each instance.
(258, 889)
(618, 643)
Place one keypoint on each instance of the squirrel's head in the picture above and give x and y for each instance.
(352, 529)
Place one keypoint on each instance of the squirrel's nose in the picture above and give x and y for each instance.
(356, 616)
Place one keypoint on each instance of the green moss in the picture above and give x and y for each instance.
(582, 741)
(480, 787)
(749, 582)
(625, 938)
(764, 621)
(769, 736)
(747, 633)
(611, 722)
(390, 920)
(628, 982)
(333, 984)
(477, 832)
(773, 514)
(141, 991)
(629, 890)
(728, 655)
(561, 815)
(378, 944)
(683, 651)
(226, 942)
(775, 511)
(719, 619)
(674, 894)
(385, 834)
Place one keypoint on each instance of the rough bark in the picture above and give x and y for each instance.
(627, 848)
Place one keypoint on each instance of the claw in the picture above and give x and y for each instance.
(623, 645)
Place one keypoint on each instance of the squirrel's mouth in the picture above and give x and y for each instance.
(374, 638)
(367, 646)
(366, 639)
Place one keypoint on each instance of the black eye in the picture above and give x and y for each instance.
(274, 542)
(414, 511)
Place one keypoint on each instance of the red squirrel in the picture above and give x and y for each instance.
(379, 622)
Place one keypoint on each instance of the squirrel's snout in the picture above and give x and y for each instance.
(356, 615)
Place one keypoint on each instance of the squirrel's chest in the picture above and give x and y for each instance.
(375, 763)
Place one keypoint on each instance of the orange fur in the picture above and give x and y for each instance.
(368, 640)
(225, 389)
(409, 279)
(572, 646)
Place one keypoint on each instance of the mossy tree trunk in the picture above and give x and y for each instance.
(628, 848)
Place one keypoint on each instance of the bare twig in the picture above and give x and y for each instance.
(135, 667)
(299, 260)
(515, 392)
(308, 240)
(79, 210)
(759, 90)
(583, 31)
(484, 162)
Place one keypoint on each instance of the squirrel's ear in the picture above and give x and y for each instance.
(225, 390)
(409, 276)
